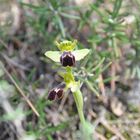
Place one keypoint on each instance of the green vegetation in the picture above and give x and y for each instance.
(109, 75)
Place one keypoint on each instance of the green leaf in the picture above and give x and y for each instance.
(80, 54)
(53, 55)
(87, 131)
(116, 9)
(69, 16)
(61, 26)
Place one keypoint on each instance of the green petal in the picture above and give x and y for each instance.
(53, 55)
(80, 54)
(66, 45)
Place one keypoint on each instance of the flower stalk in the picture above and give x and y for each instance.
(67, 56)
(79, 104)
(75, 89)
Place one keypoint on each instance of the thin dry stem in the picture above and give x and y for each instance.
(20, 91)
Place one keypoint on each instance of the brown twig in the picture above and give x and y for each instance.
(100, 136)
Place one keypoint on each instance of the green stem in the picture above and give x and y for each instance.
(69, 79)
(86, 128)
(79, 103)
(76, 93)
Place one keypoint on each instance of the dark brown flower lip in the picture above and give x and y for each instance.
(59, 93)
(67, 59)
(56, 92)
(52, 95)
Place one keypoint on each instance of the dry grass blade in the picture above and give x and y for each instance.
(3, 43)
(20, 91)
(112, 129)
(101, 85)
(100, 136)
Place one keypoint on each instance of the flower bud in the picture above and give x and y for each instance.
(67, 59)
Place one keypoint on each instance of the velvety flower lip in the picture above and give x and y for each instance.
(52, 95)
(59, 93)
(67, 59)
(56, 92)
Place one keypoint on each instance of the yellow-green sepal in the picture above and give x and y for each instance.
(80, 54)
(53, 55)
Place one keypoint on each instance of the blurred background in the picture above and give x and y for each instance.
(110, 74)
